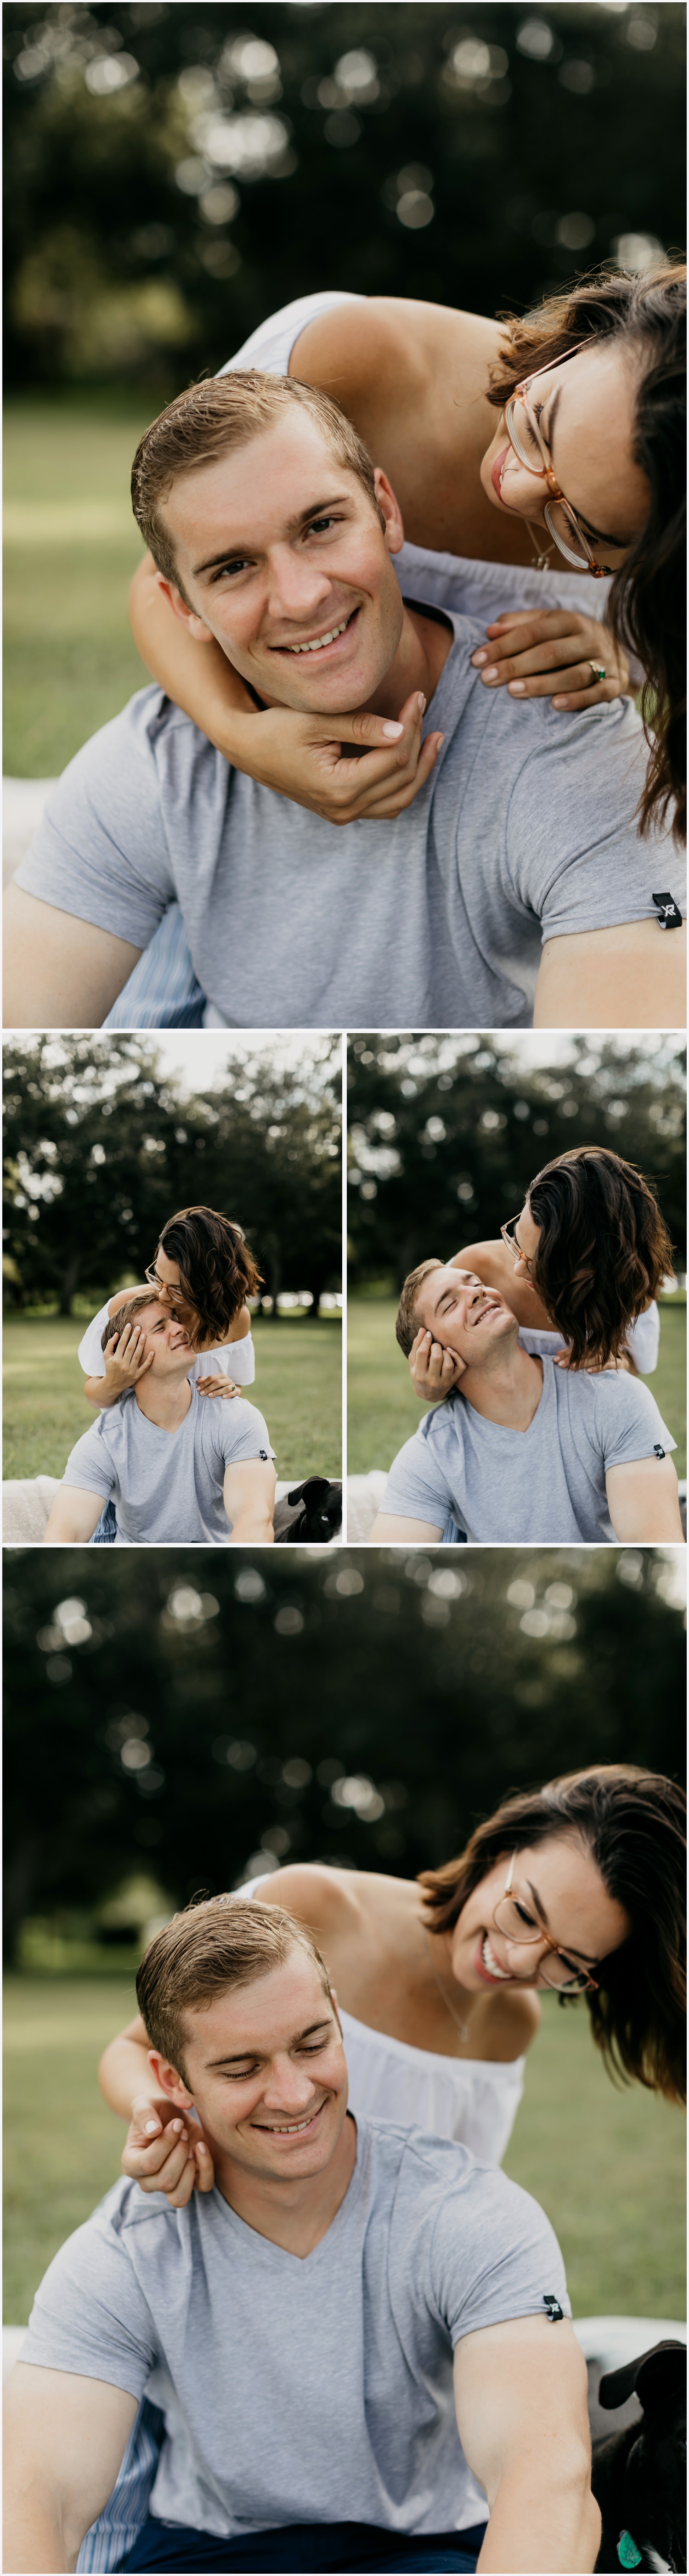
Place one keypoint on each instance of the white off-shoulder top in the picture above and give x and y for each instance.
(234, 1359)
(472, 2099)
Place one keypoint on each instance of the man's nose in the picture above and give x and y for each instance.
(288, 2088)
(296, 588)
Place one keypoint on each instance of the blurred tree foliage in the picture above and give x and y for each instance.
(445, 1136)
(101, 1147)
(368, 1709)
(174, 172)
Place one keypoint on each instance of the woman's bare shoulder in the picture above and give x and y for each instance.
(351, 351)
(485, 1258)
(241, 1326)
(323, 1898)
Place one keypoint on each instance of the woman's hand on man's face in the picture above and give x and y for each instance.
(165, 2150)
(547, 653)
(126, 1360)
(434, 1371)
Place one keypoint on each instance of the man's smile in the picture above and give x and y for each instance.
(290, 2128)
(323, 643)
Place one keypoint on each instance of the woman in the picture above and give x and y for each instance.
(581, 1267)
(203, 1270)
(585, 471)
(439, 1995)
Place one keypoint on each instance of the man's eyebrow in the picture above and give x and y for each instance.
(334, 501)
(241, 2054)
(570, 1946)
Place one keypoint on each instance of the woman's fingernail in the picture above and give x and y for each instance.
(392, 732)
(176, 2126)
(477, 658)
(560, 702)
(491, 673)
(422, 703)
(516, 688)
(151, 2128)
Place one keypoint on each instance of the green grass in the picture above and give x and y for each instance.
(607, 2166)
(72, 546)
(298, 1389)
(383, 1411)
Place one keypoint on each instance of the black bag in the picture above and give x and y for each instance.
(310, 1516)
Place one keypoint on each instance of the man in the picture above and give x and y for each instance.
(306, 2313)
(514, 884)
(179, 1470)
(521, 1451)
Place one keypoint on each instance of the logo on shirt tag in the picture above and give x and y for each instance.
(669, 915)
(263, 1453)
(657, 1451)
(555, 2312)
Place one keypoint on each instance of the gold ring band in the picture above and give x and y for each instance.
(597, 670)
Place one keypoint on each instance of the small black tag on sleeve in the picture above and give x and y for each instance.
(552, 2305)
(669, 915)
(657, 1451)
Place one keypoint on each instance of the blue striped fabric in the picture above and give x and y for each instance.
(162, 992)
(116, 2530)
(106, 1531)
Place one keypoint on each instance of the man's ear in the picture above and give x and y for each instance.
(168, 2079)
(187, 616)
(394, 530)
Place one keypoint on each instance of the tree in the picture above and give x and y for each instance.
(444, 1141)
(400, 148)
(367, 1707)
(101, 1148)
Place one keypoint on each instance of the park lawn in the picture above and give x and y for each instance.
(607, 2166)
(383, 1411)
(298, 1389)
(71, 549)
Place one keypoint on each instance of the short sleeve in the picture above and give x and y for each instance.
(241, 1431)
(100, 849)
(507, 2266)
(574, 853)
(628, 1421)
(89, 1467)
(417, 1488)
(89, 2315)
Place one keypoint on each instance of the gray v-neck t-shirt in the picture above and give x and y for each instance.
(305, 2390)
(167, 1486)
(525, 832)
(507, 1487)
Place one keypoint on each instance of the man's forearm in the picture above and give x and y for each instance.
(537, 2529)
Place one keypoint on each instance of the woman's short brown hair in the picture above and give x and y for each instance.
(633, 1823)
(604, 1249)
(216, 1269)
(647, 605)
(213, 1948)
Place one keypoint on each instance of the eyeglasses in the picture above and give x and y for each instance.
(512, 1246)
(560, 519)
(151, 1275)
(516, 1921)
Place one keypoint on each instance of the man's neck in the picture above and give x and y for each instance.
(164, 1401)
(422, 652)
(508, 1389)
(294, 2215)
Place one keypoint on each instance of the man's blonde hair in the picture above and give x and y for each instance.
(226, 412)
(210, 1949)
(409, 1321)
(127, 1315)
